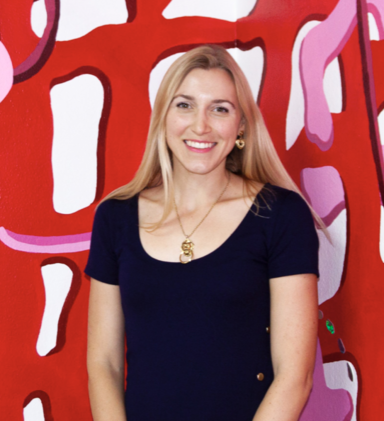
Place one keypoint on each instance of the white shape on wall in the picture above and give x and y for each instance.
(382, 232)
(157, 75)
(34, 411)
(373, 29)
(76, 107)
(229, 10)
(380, 121)
(57, 280)
(337, 377)
(331, 257)
(332, 88)
(251, 63)
(79, 17)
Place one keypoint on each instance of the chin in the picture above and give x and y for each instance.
(201, 168)
(201, 171)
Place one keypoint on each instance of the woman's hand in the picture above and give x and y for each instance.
(105, 355)
(294, 318)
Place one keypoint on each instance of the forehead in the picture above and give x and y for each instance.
(212, 82)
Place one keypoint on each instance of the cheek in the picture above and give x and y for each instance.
(174, 125)
(228, 130)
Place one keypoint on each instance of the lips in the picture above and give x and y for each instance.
(200, 145)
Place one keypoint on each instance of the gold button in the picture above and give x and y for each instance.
(268, 329)
(260, 377)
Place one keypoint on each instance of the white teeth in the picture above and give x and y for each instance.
(199, 145)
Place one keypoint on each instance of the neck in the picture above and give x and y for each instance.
(194, 191)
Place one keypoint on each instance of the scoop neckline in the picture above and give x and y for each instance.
(213, 252)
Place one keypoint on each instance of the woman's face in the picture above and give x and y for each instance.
(203, 121)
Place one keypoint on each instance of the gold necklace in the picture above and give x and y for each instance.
(187, 245)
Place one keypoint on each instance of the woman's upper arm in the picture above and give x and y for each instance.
(105, 326)
(294, 318)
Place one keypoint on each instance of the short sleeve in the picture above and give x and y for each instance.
(102, 261)
(294, 246)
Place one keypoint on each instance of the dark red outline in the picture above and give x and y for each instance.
(46, 402)
(40, 55)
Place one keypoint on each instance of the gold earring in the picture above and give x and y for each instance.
(240, 143)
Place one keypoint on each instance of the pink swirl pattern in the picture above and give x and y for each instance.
(38, 244)
(322, 44)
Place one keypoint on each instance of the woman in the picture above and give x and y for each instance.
(207, 261)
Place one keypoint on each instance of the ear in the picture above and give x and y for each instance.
(241, 125)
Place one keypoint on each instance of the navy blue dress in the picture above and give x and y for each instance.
(197, 334)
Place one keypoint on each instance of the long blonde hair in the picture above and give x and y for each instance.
(258, 162)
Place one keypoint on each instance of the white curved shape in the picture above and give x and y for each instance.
(6, 72)
(251, 63)
(34, 411)
(331, 257)
(295, 113)
(374, 34)
(76, 107)
(332, 86)
(57, 280)
(382, 233)
(229, 10)
(79, 17)
(380, 120)
(157, 75)
(38, 17)
(336, 377)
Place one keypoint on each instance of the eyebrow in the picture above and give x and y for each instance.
(215, 101)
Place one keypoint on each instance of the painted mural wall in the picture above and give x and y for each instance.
(77, 80)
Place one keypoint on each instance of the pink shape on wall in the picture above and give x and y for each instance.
(54, 244)
(324, 190)
(6, 72)
(325, 403)
(322, 44)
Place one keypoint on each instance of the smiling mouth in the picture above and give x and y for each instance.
(199, 145)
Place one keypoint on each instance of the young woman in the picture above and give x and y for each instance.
(207, 262)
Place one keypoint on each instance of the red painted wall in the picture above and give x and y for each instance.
(122, 57)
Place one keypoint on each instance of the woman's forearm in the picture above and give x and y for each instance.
(284, 400)
(106, 393)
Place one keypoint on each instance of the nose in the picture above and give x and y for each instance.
(200, 125)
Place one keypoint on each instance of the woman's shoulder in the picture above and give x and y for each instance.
(279, 200)
(277, 192)
(113, 208)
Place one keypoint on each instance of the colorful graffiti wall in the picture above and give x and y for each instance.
(77, 80)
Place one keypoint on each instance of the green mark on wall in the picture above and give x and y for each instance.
(330, 326)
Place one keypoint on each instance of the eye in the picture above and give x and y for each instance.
(182, 105)
(221, 110)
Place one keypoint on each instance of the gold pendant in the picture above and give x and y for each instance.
(186, 250)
